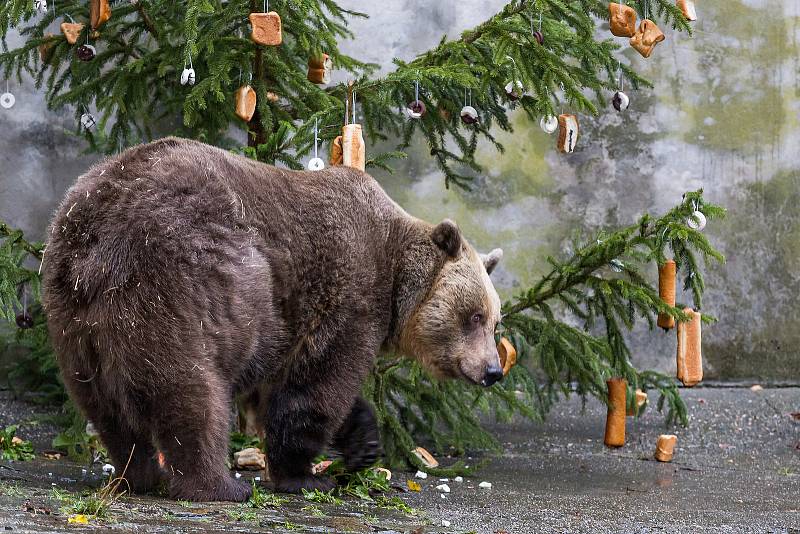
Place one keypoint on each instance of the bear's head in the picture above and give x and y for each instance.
(451, 330)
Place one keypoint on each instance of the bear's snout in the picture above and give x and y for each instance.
(493, 374)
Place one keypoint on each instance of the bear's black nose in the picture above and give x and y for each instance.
(493, 374)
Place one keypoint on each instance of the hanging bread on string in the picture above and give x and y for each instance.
(688, 10)
(567, 132)
(666, 290)
(689, 354)
(353, 148)
(99, 12)
(46, 48)
(622, 20)
(71, 31)
(319, 69)
(647, 37)
(245, 102)
(336, 155)
(266, 28)
(615, 418)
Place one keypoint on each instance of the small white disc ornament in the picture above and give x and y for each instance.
(549, 124)
(620, 101)
(697, 221)
(7, 100)
(469, 115)
(188, 77)
(88, 121)
(316, 164)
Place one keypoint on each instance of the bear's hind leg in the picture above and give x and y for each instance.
(130, 448)
(358, 438)
(192, 430)
(297, 430)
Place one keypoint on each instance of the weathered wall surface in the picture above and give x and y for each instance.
(723, 116)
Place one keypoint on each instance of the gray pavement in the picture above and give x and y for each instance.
(736, 469)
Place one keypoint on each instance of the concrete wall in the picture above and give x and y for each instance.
(723, 116)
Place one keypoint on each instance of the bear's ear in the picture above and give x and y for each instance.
(491, 259)
(447, 237)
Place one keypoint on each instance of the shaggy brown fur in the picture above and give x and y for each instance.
(177, 274)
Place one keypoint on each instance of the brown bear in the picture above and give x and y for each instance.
(177, 275)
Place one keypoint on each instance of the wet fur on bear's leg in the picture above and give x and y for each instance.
(358, 438)
(193, 434)
(133, 454)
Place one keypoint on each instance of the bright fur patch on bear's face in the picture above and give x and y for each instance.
(452, 331)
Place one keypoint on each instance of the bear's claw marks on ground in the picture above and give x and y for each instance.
(309, 483)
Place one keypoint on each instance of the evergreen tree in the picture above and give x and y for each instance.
(133, 83)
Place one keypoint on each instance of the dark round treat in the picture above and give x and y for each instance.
(468, 119)
(620, 101)
(24, 321)
(85, 52)
(417, 107)
(539, 36)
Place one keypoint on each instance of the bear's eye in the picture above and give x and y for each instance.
(477, 318)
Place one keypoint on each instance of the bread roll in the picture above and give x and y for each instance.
(689, 354)
(622, 20)
(567, 133)
(646, 39)
(353, 149)
(71, 31)
(687, 8)
(666, 290)
(508, 355)
(266, 28)
(665, 447)
(639, 401)
(319, 69)
(336, 151)
(99, 12)
(245, 102)
(615, 419)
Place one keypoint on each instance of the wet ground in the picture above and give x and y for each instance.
(736, 469)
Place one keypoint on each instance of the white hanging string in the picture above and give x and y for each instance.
(416, 91)
(354, 106)
(316, 137)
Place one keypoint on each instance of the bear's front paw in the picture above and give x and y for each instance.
(306, 482)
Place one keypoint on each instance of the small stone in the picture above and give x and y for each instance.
(756, 387)
(109, 469)
(250, 458)
(445, 523)
(257, 479)
(421, 474)
(485, 485)
(237, 475)
(443, 488)
(442, 496)
(459, 479)
(444, 480)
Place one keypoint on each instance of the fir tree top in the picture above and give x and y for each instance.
(134, 85)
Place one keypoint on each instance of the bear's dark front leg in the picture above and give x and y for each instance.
(358, 438)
